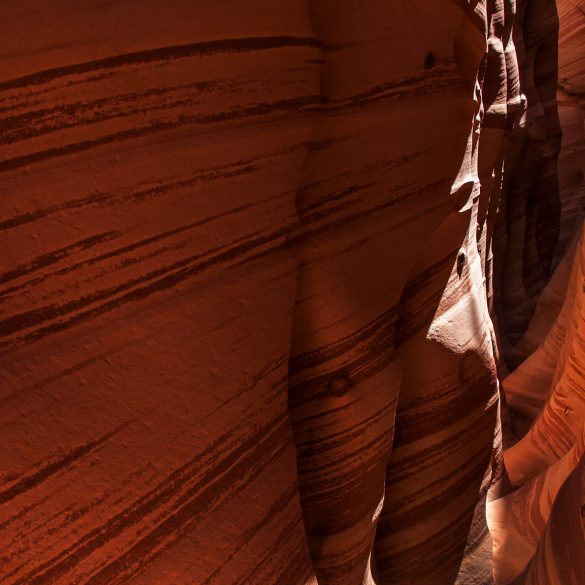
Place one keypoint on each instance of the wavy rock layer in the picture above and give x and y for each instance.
(538, 530)
(246, 285)
(542, 461)
(544, 190)
(530, 214)
(150, 165)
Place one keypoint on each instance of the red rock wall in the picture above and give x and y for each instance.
(531, 206)
(246, 282)
(545, 457)
(151, 157)
(539, 531)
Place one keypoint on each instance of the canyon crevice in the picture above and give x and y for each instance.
(292, 293)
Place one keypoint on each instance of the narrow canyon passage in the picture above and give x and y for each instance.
(292, 292)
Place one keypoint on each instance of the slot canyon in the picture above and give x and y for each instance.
(292, 292)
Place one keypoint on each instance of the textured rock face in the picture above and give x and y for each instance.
(247, 279)
(538, 530)
(543, 182)
(151, 161)
(531, 205)
(543, 519)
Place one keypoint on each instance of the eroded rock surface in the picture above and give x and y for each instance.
(539, 529)
(248, 275)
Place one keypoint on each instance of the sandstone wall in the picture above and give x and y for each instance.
(246, 279)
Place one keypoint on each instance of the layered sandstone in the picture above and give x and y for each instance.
(249, 266)
(539, 531)
(530, 523)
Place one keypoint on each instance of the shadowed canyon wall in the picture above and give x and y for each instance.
(263, 269)
(539, 529)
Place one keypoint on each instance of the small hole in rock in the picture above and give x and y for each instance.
(430, 61)
(566, 411)
(338, 386)
(460, 262)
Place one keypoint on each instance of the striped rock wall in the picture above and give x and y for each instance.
(571, 171)
(391, 336)
(559, 558)
(539, 529)
(547, 463)
(528, 225)
(571, 100)
(544, 190)
(151, 154)
(246, 276)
